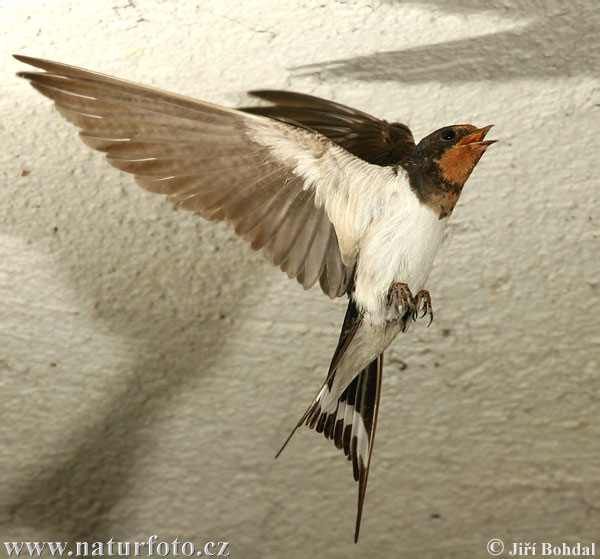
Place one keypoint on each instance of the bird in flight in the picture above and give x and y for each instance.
(329, 194)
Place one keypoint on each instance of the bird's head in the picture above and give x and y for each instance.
(442, 162)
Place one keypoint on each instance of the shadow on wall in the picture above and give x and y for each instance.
(71, 498)
(560, 40)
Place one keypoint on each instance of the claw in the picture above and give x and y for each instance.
(424, 304)
(405, 300)
(409, 304)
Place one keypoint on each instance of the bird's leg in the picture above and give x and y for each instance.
(407, 303)
(423, 303)
(404, 299)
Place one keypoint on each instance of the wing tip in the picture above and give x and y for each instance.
(22, 57)
(259, 92)
(31, 60)
(25, 60)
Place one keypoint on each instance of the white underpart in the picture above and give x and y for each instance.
(400, 246)
(380, 224)
(377, 217)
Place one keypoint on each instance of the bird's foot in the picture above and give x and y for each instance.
(407, 304)
(423, 303)
(401, 295)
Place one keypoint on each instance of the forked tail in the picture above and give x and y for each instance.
(352, 423)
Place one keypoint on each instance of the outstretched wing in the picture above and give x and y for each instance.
(288, 191)
(363, 135)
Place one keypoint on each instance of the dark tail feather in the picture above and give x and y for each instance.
(351, 426)
(370, 390)
(351, 321)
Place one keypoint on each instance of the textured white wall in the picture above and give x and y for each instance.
(151, 365)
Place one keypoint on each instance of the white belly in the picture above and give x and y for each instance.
(399, 247)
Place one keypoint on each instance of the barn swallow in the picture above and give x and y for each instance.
(327, 192)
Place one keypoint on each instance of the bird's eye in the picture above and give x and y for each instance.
(448, 135)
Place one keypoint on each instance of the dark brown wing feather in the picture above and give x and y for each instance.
(376, 141)
(200, 156)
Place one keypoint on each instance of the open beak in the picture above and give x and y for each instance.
(476, 138)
